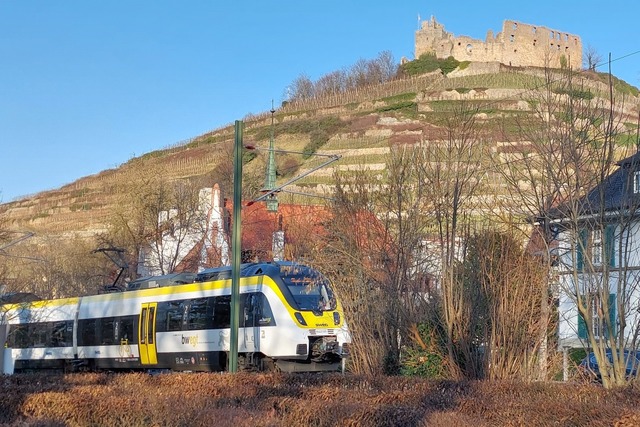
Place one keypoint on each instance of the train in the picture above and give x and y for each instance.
(289, 320)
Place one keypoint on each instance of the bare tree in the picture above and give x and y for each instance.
(331, 84)
(302, 88)
(55, 267)
(370, 251)
(591, 58)
(358, 74)
(501, 280)
(386, 66)
(363, 73)
(561, 175)
(450, 173)
(158, 223)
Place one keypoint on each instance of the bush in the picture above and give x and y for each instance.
(428, 63)
(424, 358)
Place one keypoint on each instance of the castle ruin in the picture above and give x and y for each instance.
(518, 45)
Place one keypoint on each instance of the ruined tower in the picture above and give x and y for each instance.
(518, 45)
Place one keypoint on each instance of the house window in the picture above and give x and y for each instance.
(636, 182)
(597, 309)
(596, 247)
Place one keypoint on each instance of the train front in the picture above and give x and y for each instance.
(318, 327)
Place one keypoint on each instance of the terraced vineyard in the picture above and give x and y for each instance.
(360, 126)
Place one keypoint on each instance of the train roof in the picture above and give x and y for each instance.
(161, 281)
(246, 270)
(18, 297)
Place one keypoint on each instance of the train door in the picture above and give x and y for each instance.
(257, 314)
(147, 333)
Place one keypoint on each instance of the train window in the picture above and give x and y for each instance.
(87, 335)
(255, 310)
(175, 312)
(248, 306)
(19, 336)
(265, 315)
(199, 316)
(62, 334)
(310, 289)
(125, 330)
(151, 327)
(108, 331)
(39, 334)
(161, 316)
(222, 312)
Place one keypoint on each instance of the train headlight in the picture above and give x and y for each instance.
(300, 319)
(336, 318)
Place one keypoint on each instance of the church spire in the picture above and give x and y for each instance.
(270, 179)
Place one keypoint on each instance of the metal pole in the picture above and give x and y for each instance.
(236, 249)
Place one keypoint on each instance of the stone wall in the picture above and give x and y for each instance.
(518, 45)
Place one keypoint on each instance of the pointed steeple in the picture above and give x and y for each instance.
(270, 179)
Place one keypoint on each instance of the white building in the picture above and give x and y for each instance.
(599, 263)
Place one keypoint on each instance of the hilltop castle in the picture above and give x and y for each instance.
(517, 45)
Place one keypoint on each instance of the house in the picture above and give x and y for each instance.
(266, 235)
(598, 268)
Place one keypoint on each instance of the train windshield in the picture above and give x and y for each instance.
(309, 288)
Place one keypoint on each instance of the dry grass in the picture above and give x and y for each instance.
(292, 400)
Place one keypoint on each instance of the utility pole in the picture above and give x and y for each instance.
(236, 248)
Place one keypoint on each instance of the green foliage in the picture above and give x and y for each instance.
(626, 140)
(596, 121)
(575, 93)
(247, 156)
(424, 360)
(449, 64)
(399, 106)
(209, 139)
(409, 96)
(320, 132)
(428, 63)
(563, 62)
(148, 156)
(424, 64)
(618, 84)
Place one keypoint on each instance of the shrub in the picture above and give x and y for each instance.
(428, 63)
(575, 93)
(449, 64)
(424, 357)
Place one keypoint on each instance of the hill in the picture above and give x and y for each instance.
(361, 126)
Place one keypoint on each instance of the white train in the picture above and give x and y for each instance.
(289, 320)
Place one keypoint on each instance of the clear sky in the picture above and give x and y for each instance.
(87, 85)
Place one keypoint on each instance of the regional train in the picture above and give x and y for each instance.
(289, 320)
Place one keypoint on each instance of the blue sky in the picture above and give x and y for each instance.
(87, 85)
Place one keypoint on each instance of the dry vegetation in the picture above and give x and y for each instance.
(295, 400)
